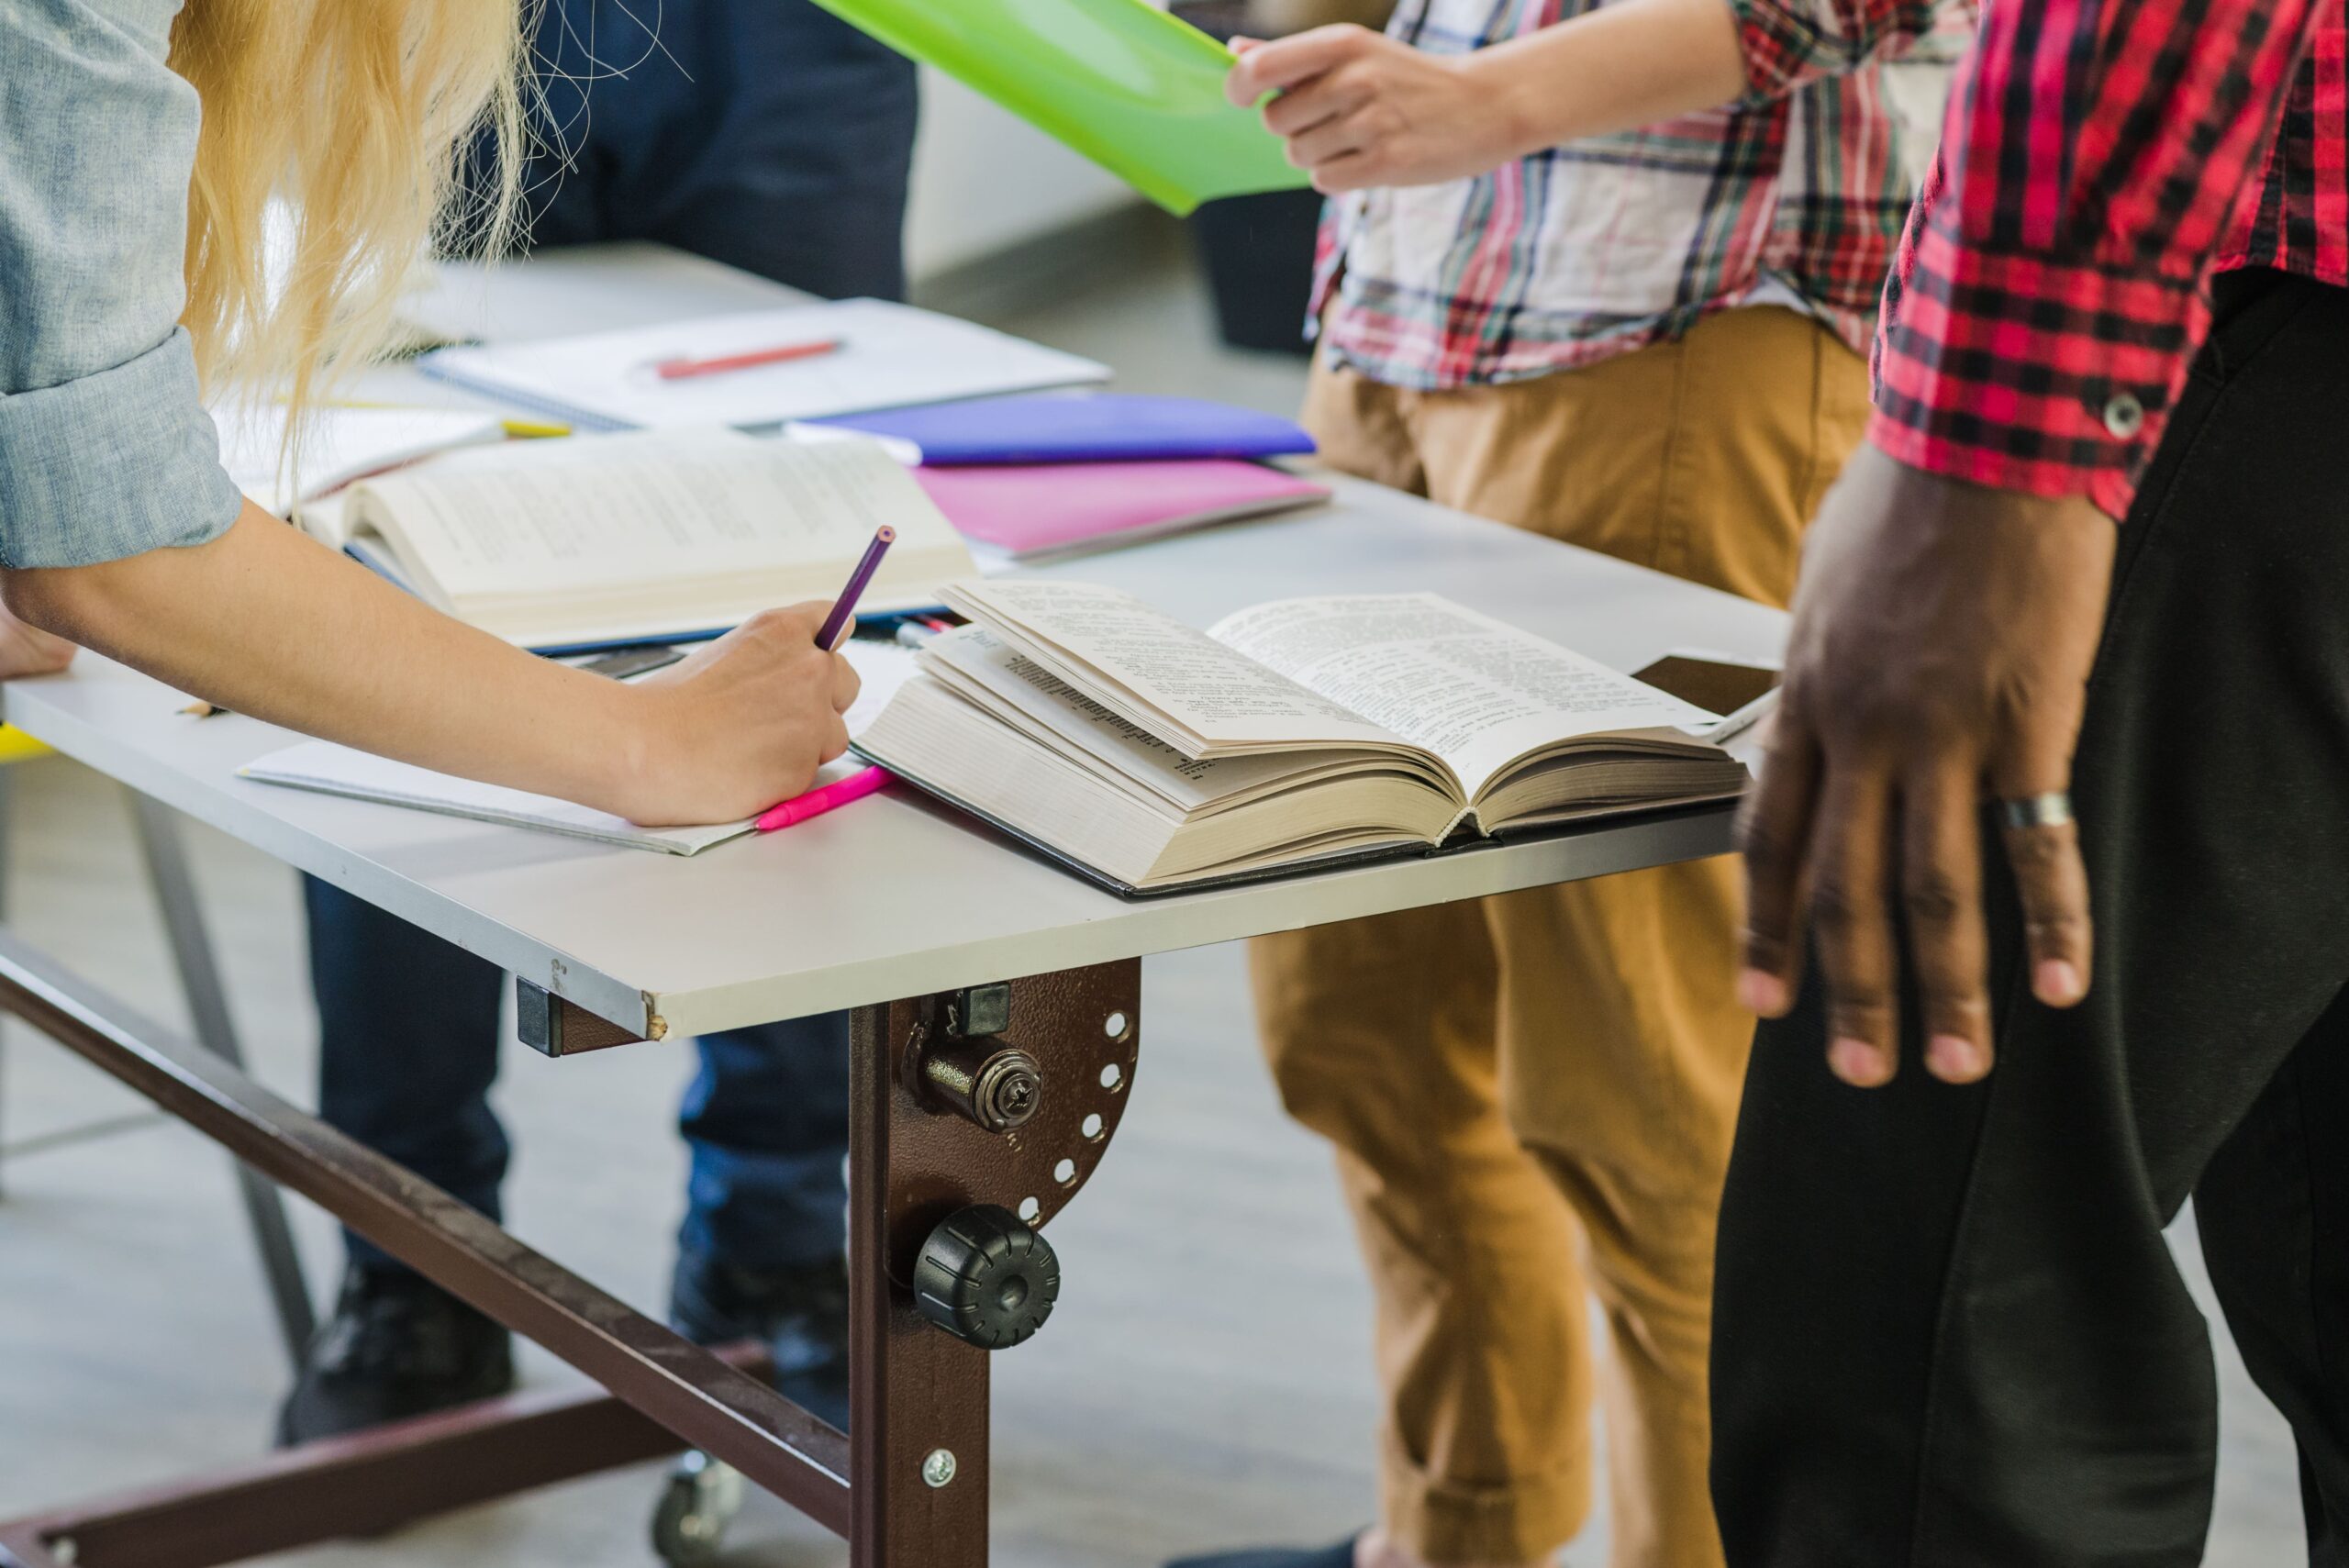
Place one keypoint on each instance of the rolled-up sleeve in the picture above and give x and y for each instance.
(105, 451)
(1789, 44)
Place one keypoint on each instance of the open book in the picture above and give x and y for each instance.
(1151, 755)
(657, 534)
(335, 446)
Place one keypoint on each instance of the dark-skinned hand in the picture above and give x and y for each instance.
(1942, 637)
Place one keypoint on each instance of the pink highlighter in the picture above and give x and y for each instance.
(815, 802)
(863, 781)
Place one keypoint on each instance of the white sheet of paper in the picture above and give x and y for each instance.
(329, 769)
(890, 356)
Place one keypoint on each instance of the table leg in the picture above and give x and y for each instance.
(977, 1114)
(913, 1393)
(359, 1484)
(207, 1006)
(920, 1396)
(683, 1388)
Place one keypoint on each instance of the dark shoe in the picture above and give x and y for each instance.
(1339, 1556)
(800, 1315)
(398, 1346)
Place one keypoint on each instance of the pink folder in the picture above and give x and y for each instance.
(1068, 508)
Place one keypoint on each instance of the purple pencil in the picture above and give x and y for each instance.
(844, 607)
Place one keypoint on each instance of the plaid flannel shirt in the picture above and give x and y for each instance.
(2101, 160)
(1794, 196)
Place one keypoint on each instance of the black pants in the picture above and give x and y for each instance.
(1948, 1332)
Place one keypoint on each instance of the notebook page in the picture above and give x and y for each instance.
(1475, 691)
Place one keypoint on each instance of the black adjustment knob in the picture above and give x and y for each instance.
(986, 1278)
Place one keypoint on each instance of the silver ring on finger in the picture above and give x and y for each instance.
(2053, 809)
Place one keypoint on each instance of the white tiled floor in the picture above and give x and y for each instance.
(1204, 1383)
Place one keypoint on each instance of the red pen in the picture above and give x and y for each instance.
(815, 802)
(682, 369)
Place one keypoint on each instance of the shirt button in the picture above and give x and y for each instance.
(2124, 416)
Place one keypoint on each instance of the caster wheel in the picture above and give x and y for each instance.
(697, 1505)
(987, 1279)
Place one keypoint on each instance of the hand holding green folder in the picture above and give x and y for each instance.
(1139, 91)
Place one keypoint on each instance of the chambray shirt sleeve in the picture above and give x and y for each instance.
(105, 451)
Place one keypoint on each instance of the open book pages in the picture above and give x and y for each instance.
(335, 446)
(649, 535)
(328, 769)
(1155, 755)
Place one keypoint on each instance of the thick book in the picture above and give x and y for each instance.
(884, 356)
(1153, 756)
(601, 540)
(1054, 511)
(1099, 426)
(1139, 91)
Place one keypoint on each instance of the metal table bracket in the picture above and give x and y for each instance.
(907, 1488)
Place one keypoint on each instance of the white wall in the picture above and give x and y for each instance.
(984, 180)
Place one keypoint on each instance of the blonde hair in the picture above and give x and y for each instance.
(338, 133)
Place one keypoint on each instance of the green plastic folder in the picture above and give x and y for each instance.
(1139, 91)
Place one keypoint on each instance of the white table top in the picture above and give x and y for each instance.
(897, 896)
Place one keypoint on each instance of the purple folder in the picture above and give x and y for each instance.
(1096, 427)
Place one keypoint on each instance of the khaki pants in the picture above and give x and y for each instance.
(1534, 1096)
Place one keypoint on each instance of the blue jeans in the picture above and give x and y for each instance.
(409, 1052)
(769, 134)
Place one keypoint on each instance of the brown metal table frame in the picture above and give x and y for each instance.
(906, 1486)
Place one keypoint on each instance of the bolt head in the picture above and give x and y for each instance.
(939, 1468)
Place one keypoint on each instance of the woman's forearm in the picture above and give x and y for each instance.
(268, 622)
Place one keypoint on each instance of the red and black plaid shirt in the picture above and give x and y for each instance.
(2101, 160)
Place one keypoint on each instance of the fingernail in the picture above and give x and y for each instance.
(2057, 983)
(1857, 1063)
(1956, 1058)
(1762, 991)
